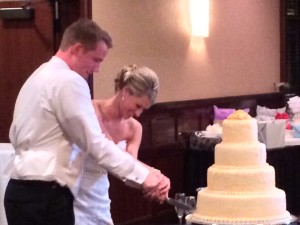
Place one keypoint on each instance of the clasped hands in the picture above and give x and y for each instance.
(156, 186)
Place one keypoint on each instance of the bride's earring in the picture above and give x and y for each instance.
(124, 93)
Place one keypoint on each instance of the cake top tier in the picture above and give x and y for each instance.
(239, 127)
(239, 115)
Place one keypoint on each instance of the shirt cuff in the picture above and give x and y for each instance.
(137, 176)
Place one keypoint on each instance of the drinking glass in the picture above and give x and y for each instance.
(181, 198)
(191, 201)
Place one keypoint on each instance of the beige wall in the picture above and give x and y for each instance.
(240, 56)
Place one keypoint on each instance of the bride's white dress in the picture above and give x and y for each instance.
(92, 203)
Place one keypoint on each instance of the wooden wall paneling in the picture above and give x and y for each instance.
(188, 120)
(272, 101)
(129, 206)
(192, 119)
(127, 203)
(145, 121)
(289, 44)
(85, 7)
(165, 130)
(206, 117)
(24, 44)
(171, 165)
(69, 11)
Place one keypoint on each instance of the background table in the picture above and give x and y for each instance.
(6, 154)
(285, 160)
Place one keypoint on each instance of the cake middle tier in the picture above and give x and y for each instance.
(240, 154)
(241, 179)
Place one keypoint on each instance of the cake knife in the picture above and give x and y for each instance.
(179, 204)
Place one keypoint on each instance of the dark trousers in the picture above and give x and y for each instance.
(29, 202)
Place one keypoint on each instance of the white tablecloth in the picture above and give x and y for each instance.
(290, 140)
(6, 153)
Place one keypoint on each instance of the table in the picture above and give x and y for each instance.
(6, 154)
(285, 160)
(290, 140)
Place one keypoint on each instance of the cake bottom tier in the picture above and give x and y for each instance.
(216, 207)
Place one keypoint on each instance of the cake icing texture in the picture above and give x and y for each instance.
(240, 184)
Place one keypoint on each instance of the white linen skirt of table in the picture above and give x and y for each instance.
(7, 152)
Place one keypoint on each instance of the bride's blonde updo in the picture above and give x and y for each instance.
(139, 81)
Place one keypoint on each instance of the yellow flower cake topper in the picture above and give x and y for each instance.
(239, 115)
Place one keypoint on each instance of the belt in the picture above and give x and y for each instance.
(35, 183)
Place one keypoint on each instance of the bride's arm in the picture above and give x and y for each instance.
(133, 145)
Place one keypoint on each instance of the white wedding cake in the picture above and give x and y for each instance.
(240, 184)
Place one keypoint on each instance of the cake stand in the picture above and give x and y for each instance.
(289, 221)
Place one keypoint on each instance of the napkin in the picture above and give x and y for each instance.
(214, 130)
(294, 104)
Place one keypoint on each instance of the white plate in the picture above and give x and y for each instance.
(211, 135)
(189, 221)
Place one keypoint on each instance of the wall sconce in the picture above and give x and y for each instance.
(199, 11)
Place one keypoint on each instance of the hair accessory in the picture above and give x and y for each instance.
(126, 76)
